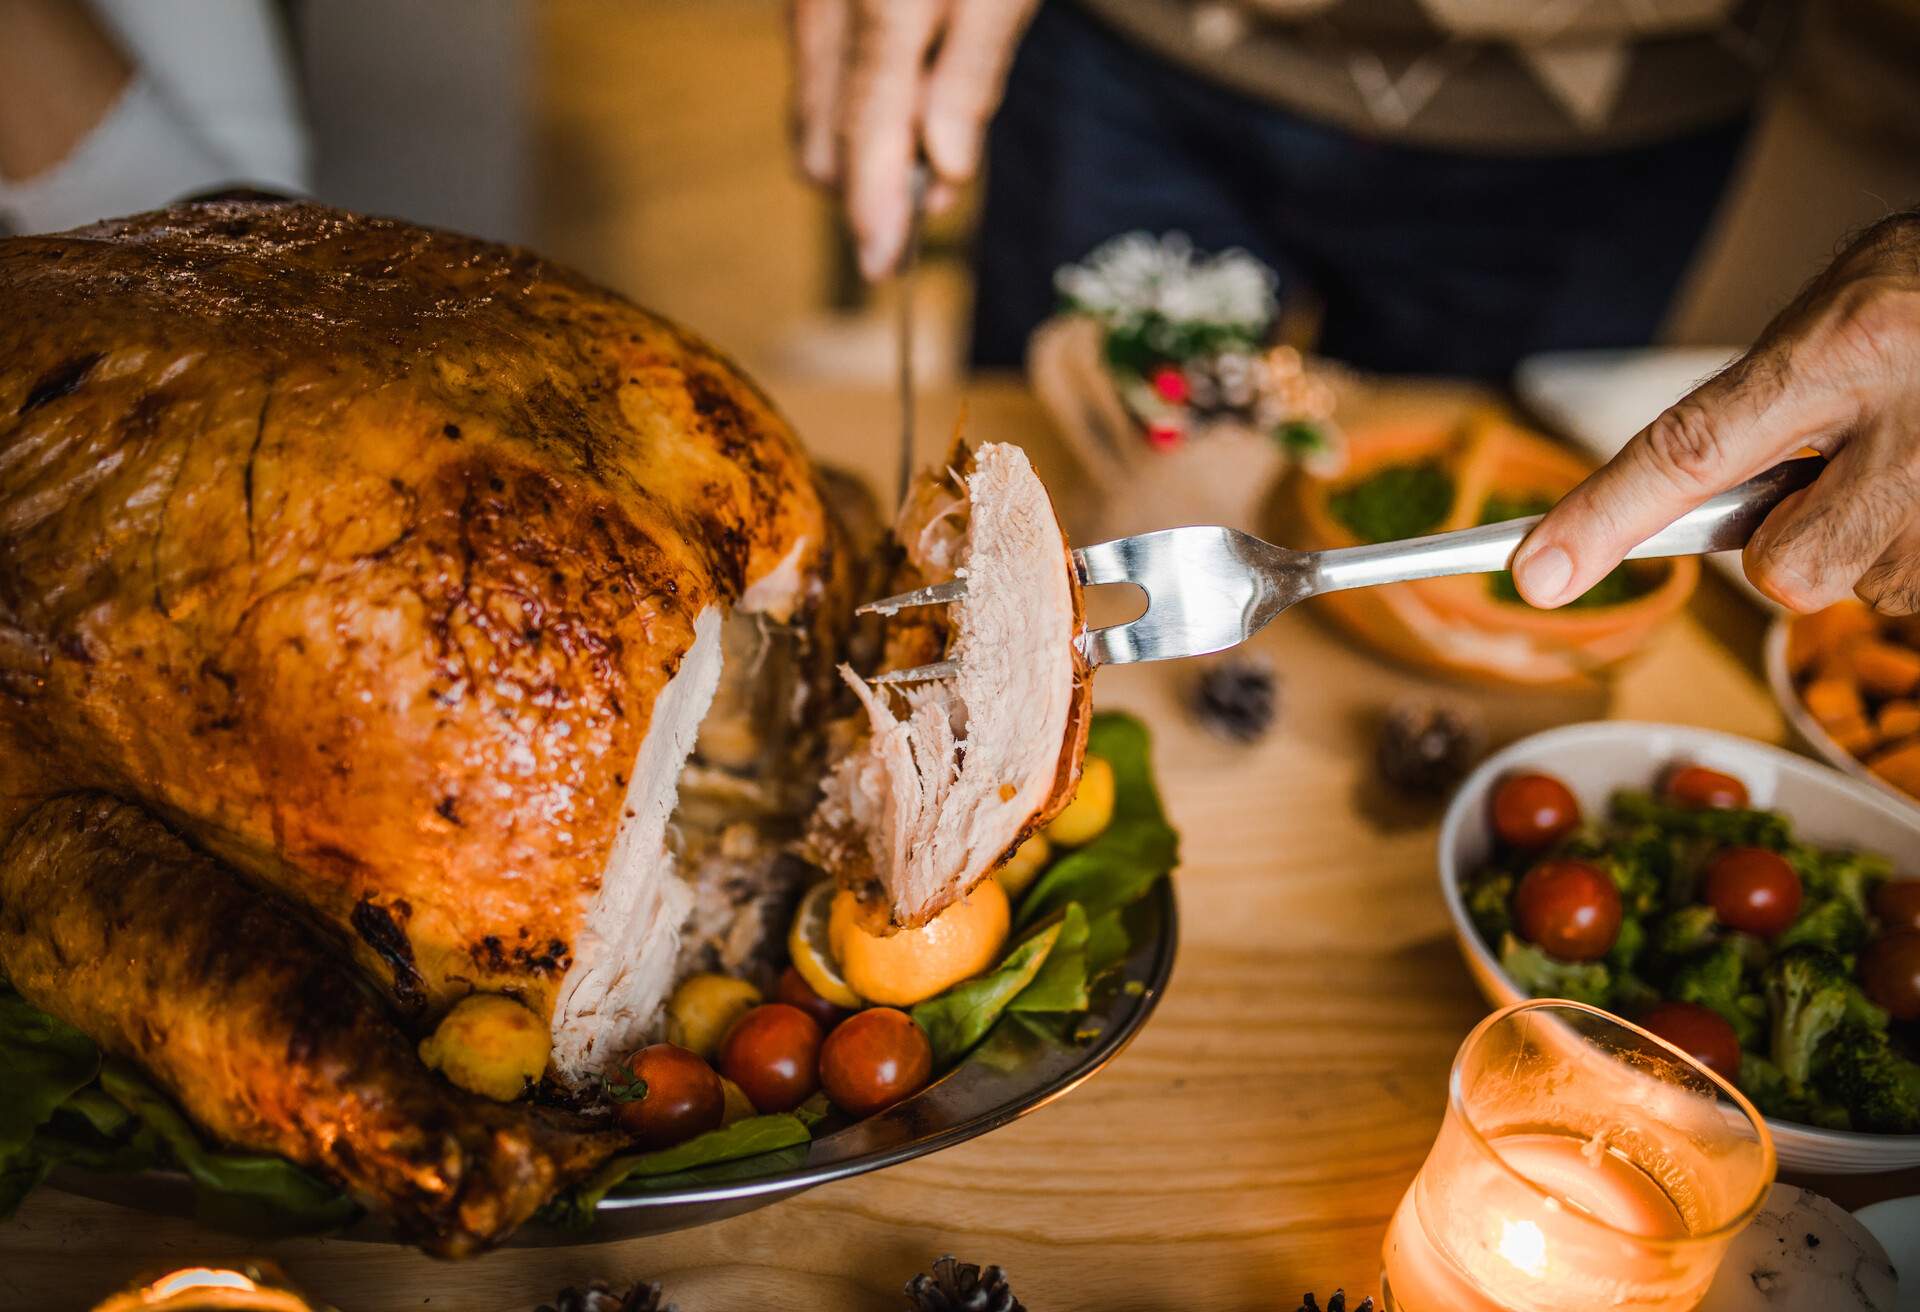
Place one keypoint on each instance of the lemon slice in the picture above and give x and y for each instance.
(807, 944)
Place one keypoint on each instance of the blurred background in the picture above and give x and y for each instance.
(645, 142)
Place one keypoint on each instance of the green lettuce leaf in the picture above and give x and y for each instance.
(246, 1191)
(1137, 848)
(960, 1017)
(701, 1159)
(44, 1062)
(1062, 981)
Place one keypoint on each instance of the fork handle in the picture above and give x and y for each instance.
(1721, 523)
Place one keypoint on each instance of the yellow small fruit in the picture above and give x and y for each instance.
(489, 1044)
(1091, 809)
(813, 945)
(738, 1105)
(1025, 865)
(911, 965)
(703, 1007)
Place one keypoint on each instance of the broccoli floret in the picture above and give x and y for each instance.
(1685, 931)
(1763, 1083)
(1716, 979)
(1832, 923)
(1837, 874)
(1627, 944)
(1725, 826)
(1490, 904)
(1807, 990)
(1547, 977)
(1880, 1089)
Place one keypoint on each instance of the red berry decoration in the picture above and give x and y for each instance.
(666, 1094)
(874, 1059)
(773, 1054)
(1165, 437)
(1570, 908)
(1753, 890)
(1532, 812)
(1170, 384)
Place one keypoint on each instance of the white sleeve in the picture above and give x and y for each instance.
(211, 105)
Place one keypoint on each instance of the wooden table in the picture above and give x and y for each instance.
(1248, 1146)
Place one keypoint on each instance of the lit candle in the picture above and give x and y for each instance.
(1582, 1164)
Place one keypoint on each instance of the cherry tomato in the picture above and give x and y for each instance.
(1897, 903)
(1570, 908)
(1533, 811)
(1702, 789)
(773, 1054)
(1890, 973)
(794, 990)
(669, 1095)
(1753, 890)
(874, 1059)
(1700, 1032)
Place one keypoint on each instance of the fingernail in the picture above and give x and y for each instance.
(1544, 575)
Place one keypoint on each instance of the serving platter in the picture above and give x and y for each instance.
(1014, 1070)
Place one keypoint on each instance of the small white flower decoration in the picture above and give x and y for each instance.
(1135, 276)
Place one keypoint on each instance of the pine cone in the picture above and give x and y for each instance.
(961, 1287)
(599, 1297)
(1337, 1302)
(1237, 697)
(1424, 749)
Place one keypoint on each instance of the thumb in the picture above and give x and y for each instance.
(1726, 430)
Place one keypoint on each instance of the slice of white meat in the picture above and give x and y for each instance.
(953, 774)
(624, 961)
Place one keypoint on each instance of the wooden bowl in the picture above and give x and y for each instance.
(1458, 626)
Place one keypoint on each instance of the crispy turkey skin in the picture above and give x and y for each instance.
(259, 1028)
(362, 553)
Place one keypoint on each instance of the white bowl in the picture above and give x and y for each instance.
(1593, 760)
(1804, 726)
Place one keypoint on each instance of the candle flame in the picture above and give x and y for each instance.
(197, 1277)
(1522, 1244)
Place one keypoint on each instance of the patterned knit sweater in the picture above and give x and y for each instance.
(1481, 75)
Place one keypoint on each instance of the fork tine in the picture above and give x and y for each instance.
(919, 673)
(937, 595)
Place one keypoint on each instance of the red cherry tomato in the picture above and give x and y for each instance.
(669, 1095)
(1753, 890)
(1890, 973)
(1702, 789)
(1533, 811)
(773, 1054)
(1570, 908)
(874, 1059)
(794, 990)
(1700, 1032)
(1897, 903)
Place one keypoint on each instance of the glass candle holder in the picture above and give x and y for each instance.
(1582, 1164)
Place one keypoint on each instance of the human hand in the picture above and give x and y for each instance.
(877, 83)
(1838, 370)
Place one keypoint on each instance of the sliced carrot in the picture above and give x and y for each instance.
(1855, 736)
(1812, 637)
(1896, 720)
(1885, 669)
(1833, 700)
(1899, 766)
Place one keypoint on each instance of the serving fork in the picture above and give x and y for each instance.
(1209, 587)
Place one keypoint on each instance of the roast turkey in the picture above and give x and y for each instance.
(483, 622)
